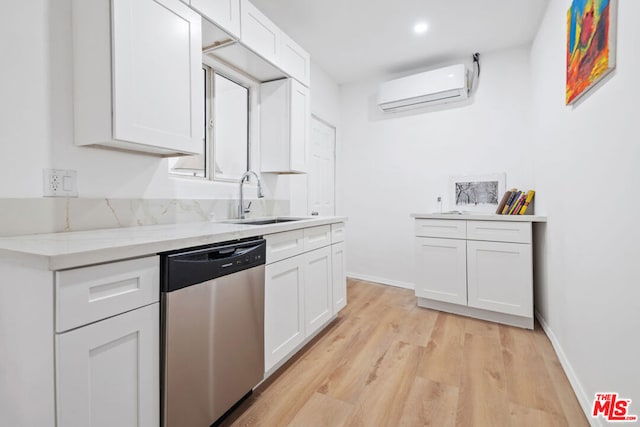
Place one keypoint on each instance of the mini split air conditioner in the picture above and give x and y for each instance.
(449, 84)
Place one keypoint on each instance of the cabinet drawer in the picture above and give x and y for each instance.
(284, 245)
(448, 229)
(499, 231)
(85, 295)
(317, 237)
(337, 232)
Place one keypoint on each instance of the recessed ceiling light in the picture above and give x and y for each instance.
(420, 28)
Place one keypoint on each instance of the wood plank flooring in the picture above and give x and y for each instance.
(386, 362)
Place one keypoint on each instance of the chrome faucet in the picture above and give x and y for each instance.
(245, 177)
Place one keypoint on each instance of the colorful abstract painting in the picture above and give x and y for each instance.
(590, 45)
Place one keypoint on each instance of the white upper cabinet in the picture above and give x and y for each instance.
(262, 42)
(138, 76)
(295, 61)
(284, 126)
(224, 13)
(260, 34)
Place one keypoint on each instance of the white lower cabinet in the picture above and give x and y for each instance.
(482, 269)
(108, 344)
(283, 309)
(441, 266)
(318, 289)
(338, 265)
(108, 372)
(302, 292)
(499, 277)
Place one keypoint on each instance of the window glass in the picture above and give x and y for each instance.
(226, 141)
(231, 129)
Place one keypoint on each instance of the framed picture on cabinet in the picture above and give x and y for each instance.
(476, 193)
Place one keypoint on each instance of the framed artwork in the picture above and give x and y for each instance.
(477, 193)
(591, 45)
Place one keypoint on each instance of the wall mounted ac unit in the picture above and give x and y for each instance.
(449, 84)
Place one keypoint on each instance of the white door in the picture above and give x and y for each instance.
(318, 289)
(338, 265)
(108, 373)
(321, 176)
(441, 269)
(283, 309)
(500, 277)
(157, 74)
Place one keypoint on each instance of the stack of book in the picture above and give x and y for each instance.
(515, 202)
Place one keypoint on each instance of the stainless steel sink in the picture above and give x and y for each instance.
(265, 221)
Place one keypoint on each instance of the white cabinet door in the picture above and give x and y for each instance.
(138, 75)
(260, 34)
(223, 13)
(299, 122)
(318, 289)
(283, 309)
(441, 269)
(500, 277)
(156, 62)
(295, 61)
(338, 265)
(108, 372)
(285, 115)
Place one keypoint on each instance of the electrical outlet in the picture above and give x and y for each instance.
(439, 199)
(60, 183)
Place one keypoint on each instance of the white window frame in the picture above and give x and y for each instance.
(253, 87)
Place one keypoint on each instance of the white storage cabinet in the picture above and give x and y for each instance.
(107, 345)
(304, 270)
(138, 82)
(283, 309)
(224, 13)
(338, 265)
(294, 60)
(285, 115)
(477, 268)
(259, 33)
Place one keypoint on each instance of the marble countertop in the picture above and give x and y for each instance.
(477, 216)
(75, 249)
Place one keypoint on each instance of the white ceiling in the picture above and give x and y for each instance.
(352, 39)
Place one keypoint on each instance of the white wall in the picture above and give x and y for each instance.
(586, 173)
(393, 165)
(25, 93)
(36, 127)
(325, 104)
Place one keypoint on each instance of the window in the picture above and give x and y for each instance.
(226, 130)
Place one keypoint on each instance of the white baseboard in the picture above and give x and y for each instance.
(584, 399)
(381, 280)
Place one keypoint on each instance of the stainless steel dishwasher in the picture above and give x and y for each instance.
(212, 330)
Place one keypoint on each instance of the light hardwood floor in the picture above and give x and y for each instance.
(386, 362)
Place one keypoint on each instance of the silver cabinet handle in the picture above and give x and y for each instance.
(314, 213)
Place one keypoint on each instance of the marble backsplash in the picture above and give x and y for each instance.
(51, 215)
